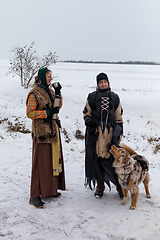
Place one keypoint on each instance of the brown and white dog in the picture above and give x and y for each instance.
(130, 173)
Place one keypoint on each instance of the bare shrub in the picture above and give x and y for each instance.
(25, 63)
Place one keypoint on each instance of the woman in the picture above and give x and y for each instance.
(47, 158)
(104, 127)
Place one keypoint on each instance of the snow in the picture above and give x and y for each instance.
(77, 214)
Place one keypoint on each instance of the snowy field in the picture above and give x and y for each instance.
(77, 214)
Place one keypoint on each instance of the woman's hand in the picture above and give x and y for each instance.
(54, 110)
(90, 122)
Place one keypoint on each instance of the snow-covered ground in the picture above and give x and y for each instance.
(77, 214)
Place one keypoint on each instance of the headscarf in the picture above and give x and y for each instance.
(42, 76)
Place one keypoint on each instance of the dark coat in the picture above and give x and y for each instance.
(96, 167)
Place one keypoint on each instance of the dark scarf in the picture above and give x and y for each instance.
(42, 76)
(104, 90)
(43, 84)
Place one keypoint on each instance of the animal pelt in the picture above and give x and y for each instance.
(130, 173)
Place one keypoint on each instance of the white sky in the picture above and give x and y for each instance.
(104, 30)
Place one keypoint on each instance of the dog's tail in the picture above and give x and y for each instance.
(127, 148)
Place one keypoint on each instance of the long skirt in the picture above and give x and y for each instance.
(43, 183)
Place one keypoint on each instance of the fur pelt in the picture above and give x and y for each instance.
(45, 130)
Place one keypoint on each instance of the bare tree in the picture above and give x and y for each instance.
(25, 63)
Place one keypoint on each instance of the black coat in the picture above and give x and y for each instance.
(96, 168)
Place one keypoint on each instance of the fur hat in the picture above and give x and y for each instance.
(101, 76)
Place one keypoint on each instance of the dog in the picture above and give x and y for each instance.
(130, 172)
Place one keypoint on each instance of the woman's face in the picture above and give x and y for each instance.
(48, 78)
(103, 84)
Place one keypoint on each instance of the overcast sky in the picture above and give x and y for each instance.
(97, 30)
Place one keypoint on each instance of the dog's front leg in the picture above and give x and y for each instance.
(125, 196)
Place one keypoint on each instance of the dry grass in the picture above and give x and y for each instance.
(17, 126)
(153, 140)
(79, 134)
(67, 139)
(157, 148)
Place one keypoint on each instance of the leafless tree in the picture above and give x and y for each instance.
(25, 63)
